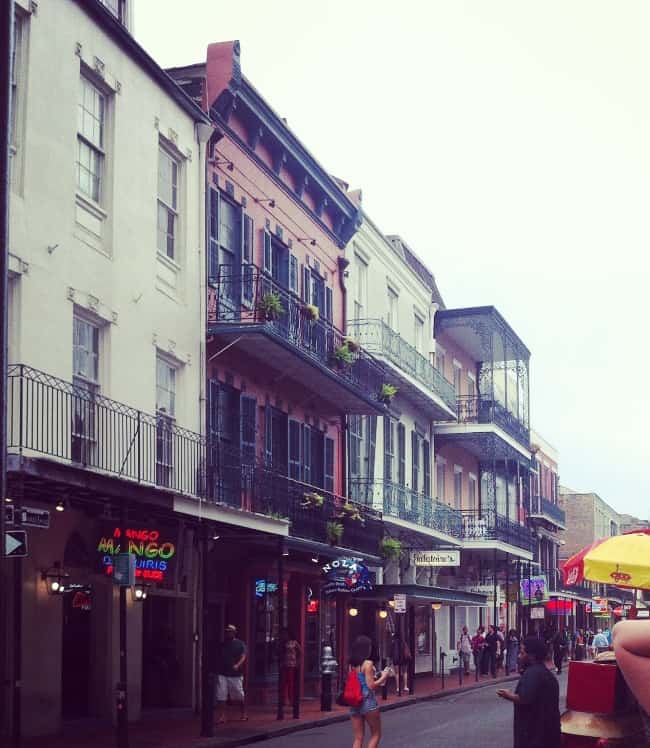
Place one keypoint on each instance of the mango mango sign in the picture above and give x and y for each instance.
(152, 555)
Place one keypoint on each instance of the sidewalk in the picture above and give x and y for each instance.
(183, 731)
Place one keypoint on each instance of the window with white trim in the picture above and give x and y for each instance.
(418, 332)
(392, 318)
(440, 360)
(471, 385)
(168, 210)
(471, 492)
(91, 131)
(361, 287)
(440, 480)
(165, 413)
(458, 375)
(85, 384)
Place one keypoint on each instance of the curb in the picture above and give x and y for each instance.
(343, 717)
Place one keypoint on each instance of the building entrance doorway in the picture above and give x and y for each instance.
(161, 671)
(75, 660)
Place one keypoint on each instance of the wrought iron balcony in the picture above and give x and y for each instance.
(540, 508)
(52, 417)
(311, 510)
(417, 377)
(477, 409)
(490, 526)
(48, 416)
(282, 334)
(403, 503)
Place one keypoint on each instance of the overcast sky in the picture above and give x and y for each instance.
(508, 143)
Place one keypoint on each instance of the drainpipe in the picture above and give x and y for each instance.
(343, 263)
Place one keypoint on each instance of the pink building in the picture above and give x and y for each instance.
(281, 375)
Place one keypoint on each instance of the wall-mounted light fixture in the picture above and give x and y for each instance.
(268, 200)
(56, 579)
(223, 162)
(354, 612)
(285, 548)
(383, 613)
(436, 606)
(391, 603)
(140, 592)
(307, 240)
(60, 505)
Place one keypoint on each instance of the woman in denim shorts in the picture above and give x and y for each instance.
(369, 709)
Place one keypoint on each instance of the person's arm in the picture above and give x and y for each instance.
(509, 695)
(372, 682)
(632, 647)
(240, 662)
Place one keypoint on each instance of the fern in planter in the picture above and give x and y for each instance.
(270, 306)
(351, 512)
(334, 532)
(343, 356)
(387, 393)
(312, 499)
(390, 549)
(311, 312)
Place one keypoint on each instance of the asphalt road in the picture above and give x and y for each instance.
(474, 718)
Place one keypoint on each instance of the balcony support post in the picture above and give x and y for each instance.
(280, 712)
(505, 659)
(495, 603)
(207, 682)
(122, 700)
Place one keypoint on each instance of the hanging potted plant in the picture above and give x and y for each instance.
(270, 306)
(311, 312)
(351, 512)
(342, 357)
(387, 393)
(312, 500)
(390, 549)
(351, 344)
(334, 532)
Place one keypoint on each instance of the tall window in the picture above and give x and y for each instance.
(389, 448)
(426, 468)
(361, 295)
(440, 360)
(440, 480)
(85, 380)
(91, 129)
(355, 433)
(392, 319)
(458, 376)
(167, 204)
(401, 454)
(471, 385)
(165, 412)
(418, 332)
(116, 7)
(471, 491)
(458, 487)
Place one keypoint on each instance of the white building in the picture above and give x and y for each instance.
(106, 345)
(391, 302)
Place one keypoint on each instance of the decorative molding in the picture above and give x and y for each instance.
(114, 317)
(301, 184)
(188, 154)
(279, 160)
(118, 87)
(33, 7)
(156, 123)
(172, 135)
(321, 204)
(93, 303)
(70, 293)
(78, 49)
(256, 134)
(99, 67)
(154, 339)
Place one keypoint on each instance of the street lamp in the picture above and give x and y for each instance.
(56, 579)
(140, 592)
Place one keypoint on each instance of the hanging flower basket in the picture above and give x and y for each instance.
(386, 393)
(390, 549)
(312, 500)
(351, 344)
(342, 357)
(311, 312)
(350, 512)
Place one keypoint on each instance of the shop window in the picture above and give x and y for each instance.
(422, 630)
(265, 628)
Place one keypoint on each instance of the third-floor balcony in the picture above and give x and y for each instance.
(255, 315)
(483, 410)
(484, 529)
(411, 371)
(546, 511)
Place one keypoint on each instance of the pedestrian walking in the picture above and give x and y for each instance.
(478, 645)
(368, 711)
(580, 645)
(401, 657)
(512, 651)
(559, 644)
(491, 648)
(600, 643)
(230, 676)
(290, 653)
(536, 700)
(464, 649)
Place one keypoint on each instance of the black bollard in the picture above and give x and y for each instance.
(296, 693)
(326, 692)
(442, 667)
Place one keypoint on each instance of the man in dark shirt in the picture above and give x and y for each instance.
(536, 700)
(230, 678)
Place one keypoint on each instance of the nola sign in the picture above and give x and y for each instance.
(346, 575)
(436, 558)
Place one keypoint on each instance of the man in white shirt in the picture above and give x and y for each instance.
(600, 643)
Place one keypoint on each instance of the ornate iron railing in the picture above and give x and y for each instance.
(491, 526)
(539, 507)
(477, 409)
(311, 510)
(377, 337)
(402, 502)
(243, 296)
(49, 416)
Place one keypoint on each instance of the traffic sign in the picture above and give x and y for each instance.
(15, 543)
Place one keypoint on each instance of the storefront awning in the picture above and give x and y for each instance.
(423, 593)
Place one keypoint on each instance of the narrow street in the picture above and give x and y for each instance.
(473, 718)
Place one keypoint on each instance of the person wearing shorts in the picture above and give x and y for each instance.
(230, 678)
(368, 711)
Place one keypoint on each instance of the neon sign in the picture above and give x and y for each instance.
(152, 556)
(262, 586)
(346, 575)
